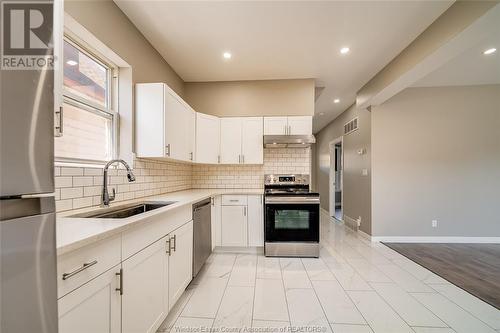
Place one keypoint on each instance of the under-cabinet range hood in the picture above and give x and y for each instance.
(288, 141)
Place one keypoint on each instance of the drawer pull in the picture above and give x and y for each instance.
(233, 200)
(86, 265)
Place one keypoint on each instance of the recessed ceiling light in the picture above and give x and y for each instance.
(336, 100)
(321, 113)
(71, 62)
(227, 55)
(490, 51)
(344, 50)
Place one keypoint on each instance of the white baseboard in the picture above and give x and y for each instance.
(364, 235)
(432, 239)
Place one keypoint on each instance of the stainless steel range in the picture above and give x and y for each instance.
(291, 217)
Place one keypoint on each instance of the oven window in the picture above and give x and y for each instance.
(291, 219)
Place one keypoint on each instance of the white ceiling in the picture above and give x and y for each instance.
(471, 67)
(284, 40)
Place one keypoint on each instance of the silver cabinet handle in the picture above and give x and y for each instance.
(168, 247)
(285, 129)
(191, 156)
(175, 243)
(86, 265)
(167, 149)
(60, 127)
(212, 201)
(218, 158)
(233, 200)
(289, 129)
(120, 274)
(242, 158)
(239, 158)
(244, 210)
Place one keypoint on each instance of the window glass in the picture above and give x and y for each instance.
(84, 76)
(86, 136)
(291, 219)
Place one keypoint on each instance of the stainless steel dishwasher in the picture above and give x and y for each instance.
(202, 235)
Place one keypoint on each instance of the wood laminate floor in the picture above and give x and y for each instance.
(473, 267)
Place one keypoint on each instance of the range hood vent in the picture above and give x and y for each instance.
(288, 141)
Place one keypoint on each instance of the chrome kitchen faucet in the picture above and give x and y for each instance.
(106, 198)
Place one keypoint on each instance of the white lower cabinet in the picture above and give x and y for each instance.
(234, 226)
(255, 220)
(180, 264)
(94, 307)
(134, 296)
(145, 291)
(241, 221)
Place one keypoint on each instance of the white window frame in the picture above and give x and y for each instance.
(81, 102)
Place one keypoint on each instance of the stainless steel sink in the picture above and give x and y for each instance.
(124, 211)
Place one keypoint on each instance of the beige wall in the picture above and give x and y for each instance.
(108, 23)
(436, 155)
(252, 98)
(457, 18)
(357, 188)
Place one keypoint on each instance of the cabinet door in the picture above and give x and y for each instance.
(275, 125)
(230, 140)
(252, 148)
(145, 292)
(207, 138)
(234, 226)
(150, 120)
(190, 115)
(176, 120)
(300, 125)
(255, 221)
(180, 263)
(94, 307)
(218, 221)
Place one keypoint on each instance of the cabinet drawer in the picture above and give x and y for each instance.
(153, 228)
(234, 200)
(80, 266)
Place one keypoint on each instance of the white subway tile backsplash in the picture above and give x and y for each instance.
(71, 192)
(66, 171)
(81, 187)
(63, 182)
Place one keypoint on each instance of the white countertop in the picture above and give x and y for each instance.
(73, 232)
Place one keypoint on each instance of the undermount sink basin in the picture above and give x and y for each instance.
(124, 211)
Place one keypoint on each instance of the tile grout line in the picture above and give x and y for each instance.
(224, 293)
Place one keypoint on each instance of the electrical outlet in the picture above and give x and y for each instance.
(359, 221)
(434, 223)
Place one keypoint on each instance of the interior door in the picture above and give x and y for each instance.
(145, 294)
(230, 140)
(180, 262)
(207, 138)
(252, 148)
(300, 125)
(275, 125)
(94, 307)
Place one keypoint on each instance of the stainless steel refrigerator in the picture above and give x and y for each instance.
(28, 283)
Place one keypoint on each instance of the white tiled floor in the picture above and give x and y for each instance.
(355, 286)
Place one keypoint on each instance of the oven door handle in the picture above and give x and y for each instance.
(292, 200)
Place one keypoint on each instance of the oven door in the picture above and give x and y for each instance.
(290, 219)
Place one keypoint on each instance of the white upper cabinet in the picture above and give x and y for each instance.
(241, 140)
(252, 145)
(230, 140)
(207, 138)
(165, 124)
(275, 125)
(299, 125)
